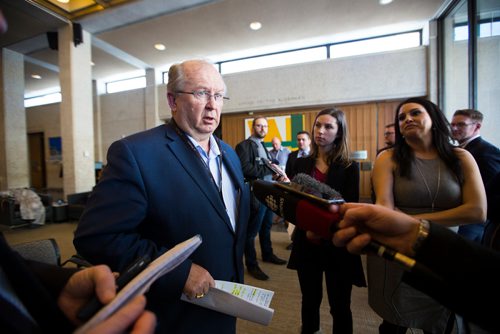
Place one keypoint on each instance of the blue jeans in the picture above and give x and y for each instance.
(261, 224)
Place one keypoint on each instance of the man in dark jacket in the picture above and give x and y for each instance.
(251, 152)
(40, 298)
(466, 126)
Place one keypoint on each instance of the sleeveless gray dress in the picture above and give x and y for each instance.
(389, 297)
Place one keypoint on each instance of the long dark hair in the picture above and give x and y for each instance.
(340, 148)
(441, 139)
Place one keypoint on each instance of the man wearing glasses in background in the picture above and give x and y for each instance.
(466, 126)
(389, 137)
(165, 185)
(251, 152)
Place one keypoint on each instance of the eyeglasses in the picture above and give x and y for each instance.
(260, 126)
(461, 124)
(388, 133)
(205, 96)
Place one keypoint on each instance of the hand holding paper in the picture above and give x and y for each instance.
(141, 283)
(239, 300)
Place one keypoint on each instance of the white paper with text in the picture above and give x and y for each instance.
(239, 300)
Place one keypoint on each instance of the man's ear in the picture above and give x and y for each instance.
(171, 101)
(478, 126)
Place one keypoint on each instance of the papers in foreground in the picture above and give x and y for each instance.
(141, 283)
(239, 300)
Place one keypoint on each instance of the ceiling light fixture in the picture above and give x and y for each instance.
(384, 2)
(36, 76)
(160, 47)
(63, 1)
(255, 25)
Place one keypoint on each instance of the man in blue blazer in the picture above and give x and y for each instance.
(165, 185)
(466, 126)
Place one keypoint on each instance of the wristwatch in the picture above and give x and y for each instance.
(422, 233)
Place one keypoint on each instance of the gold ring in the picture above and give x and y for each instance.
(201, 295)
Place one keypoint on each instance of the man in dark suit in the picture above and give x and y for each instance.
(304, 145)
(466, 126)
(165, 185)
(389, 137)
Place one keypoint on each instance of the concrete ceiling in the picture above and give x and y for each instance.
(217, 30)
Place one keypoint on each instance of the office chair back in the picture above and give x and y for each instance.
(45, 250)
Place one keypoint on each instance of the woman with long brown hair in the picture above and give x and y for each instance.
(329, 163)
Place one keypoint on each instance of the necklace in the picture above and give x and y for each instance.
(427, 185)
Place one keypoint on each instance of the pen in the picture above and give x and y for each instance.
(91, 308)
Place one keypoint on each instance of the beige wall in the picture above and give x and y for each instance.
(376, 77)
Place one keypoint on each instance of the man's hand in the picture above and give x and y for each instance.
(82, 286)
(101, 281)
(132, 318)
(363, 222)
(198, 282)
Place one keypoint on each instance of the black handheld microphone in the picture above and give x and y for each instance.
(314, 216)
(285, 201)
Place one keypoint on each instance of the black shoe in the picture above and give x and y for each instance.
(290, 246)
(274, 259)
(257, 273)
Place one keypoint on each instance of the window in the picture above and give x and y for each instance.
(41, 100)
(126, 84)
(273, 60)
(337, 50)
(377, 44)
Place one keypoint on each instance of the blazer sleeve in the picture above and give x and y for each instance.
(119, 223)
(469, 272)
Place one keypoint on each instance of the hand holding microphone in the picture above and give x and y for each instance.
(310, 212)
(296, 206)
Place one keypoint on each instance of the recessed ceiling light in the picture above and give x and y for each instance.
(384, 2)
(255, 25)
(36, 76)
(160, 47)
(63, 1)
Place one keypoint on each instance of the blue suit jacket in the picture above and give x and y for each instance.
(155, 192)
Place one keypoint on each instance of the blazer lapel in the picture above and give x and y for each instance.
(193, 166)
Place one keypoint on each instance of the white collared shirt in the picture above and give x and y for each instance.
(228, 188)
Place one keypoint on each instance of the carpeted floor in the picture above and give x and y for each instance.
(286, 301)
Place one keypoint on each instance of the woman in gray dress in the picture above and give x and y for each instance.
(424, 176)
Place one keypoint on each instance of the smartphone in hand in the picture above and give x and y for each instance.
(275, 169)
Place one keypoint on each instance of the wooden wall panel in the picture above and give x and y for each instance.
(366, 123)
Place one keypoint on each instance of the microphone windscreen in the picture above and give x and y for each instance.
(304, 214)
(312, 186)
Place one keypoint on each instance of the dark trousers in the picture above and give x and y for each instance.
(261, 224)
(339, 290)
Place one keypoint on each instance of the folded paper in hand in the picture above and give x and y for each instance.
(239, 300)
(141, 283)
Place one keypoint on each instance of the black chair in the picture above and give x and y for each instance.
(76, 204)
(10, 215)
